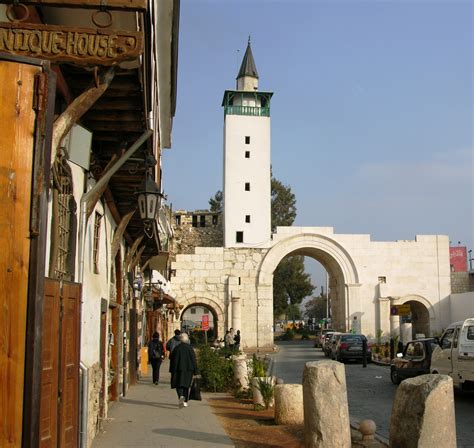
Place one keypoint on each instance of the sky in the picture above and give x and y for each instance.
(372, 113)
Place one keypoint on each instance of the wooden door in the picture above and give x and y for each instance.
(69, 372)
(50, 365)
(17, 132)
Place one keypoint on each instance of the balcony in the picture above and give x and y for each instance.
(247, 110)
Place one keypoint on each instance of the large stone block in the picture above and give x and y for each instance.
(326, 412)
(289, 408)
(423, 413)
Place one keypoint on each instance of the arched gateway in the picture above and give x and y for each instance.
(367, 279)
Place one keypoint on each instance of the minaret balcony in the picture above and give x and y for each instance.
(247, 110)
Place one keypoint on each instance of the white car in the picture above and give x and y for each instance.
(455, 354)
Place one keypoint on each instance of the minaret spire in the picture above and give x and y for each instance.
(247, 78)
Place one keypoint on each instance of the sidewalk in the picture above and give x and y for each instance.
(149, 417)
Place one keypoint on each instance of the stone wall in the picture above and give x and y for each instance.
(93, 415)
(462, 282)
(200, 228)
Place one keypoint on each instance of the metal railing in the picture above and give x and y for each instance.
(248, 110)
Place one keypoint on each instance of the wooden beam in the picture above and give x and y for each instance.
(77, 109)
(129, 5)
(131, 253)
(136, 258)
(119, 233)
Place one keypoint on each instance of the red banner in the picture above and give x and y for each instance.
(205, 322)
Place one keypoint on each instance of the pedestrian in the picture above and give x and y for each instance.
(237, 341)
(173, 342)
(156, 354)
(183, 368)
(229, 339)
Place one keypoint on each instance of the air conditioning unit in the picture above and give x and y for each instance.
(77, 146)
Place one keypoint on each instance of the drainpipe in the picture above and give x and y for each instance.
(82, 234)
(84, 404)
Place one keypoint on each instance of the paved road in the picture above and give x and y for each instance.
(370, 391)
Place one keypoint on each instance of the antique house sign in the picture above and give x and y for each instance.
(70, 44)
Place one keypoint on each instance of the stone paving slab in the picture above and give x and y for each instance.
(149, 417)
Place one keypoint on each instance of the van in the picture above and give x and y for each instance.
(455, 354)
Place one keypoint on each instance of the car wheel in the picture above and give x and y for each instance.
(394, 377)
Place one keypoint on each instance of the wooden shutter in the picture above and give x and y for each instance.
(69, 380)
(50, 366)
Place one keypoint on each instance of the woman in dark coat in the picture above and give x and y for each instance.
(183, 367)
(156, 354)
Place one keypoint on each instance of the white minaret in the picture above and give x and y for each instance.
(247, 193)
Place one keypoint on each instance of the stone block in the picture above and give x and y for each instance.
(289, 404)
(240, 371)
(423, 413)
(326, 412)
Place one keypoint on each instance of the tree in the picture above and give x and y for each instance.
(283, 205)
(216, 202)
(316, 307)
(291, 284)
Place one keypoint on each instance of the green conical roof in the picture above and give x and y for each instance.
(248, 67)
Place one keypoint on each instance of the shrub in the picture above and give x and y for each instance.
(216, 371)
(266, 388)
(258, 367)
(305, 334)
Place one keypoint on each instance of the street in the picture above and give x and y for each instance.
(370, 391)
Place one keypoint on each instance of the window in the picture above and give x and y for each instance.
(247, 154)
(195, 221)
(415, 351)
(247, 186)
(97, 222)
(247, 140)
(383, 279)
(202, 220)
(63, 242)
(205, 311)
(215, 220)
(447, 339)
(247, 218)
(193, 310)
(239, 237)
(470, 333)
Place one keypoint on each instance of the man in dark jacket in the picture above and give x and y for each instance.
(156, 354)
(183, 367)
(173, 342)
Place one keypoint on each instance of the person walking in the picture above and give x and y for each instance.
(156, 354)
(183, 367)
(229, 339)
(173, 342)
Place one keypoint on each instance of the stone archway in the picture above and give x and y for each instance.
(333, 256)
(209, 301)
(422, 313)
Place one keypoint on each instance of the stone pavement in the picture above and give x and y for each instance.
(149, 417)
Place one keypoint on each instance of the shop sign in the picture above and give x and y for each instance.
(84, 46)
(205, 322)
(400, 310)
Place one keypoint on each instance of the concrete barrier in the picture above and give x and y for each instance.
(289, 404)
(423, 413)
(326, 412)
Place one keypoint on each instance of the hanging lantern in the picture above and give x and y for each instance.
(148, 200)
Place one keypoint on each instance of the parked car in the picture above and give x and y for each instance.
(455, 354)
(329, 343)
(349, 346)
(320, 340)
(415, 360)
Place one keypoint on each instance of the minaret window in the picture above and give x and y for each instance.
(247, 140)
(247, 186)
(239, 237)
(247, 154)
(247, 218)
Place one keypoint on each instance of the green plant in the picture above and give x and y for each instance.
(216, 371)
(258, 367)
(266, 388)
(305, 334)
